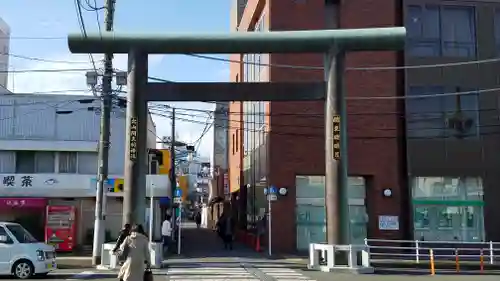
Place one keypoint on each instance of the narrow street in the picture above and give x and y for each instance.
(203, 257)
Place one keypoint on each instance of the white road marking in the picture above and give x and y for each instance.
(284, 274)
(210, 273)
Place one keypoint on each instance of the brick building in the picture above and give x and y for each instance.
(437, 154)
(282, 144)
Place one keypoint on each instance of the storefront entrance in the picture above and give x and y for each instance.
(28, 212)
(310, 212)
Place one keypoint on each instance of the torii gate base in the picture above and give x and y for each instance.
(332, 42)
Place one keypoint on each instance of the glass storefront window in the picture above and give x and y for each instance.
(310, 210)
(448, 209)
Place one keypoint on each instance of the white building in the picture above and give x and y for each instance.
(48, 157)
(4, 53)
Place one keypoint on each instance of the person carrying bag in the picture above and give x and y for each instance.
(138, 264)
(122, 254)
(148, 274)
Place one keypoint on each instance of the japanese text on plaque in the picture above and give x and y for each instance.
(133, 139)
(336, 137)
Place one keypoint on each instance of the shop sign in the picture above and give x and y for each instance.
(133, 139)
(22, 202)
(336, 137)
(10, 181)
(226, 184)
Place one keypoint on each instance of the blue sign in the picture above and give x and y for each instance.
(273, 190)
(164, 201)
(178, 192)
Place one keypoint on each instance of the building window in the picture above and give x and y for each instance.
(68, 162)
(87, 163)
(497, 29)
(237, 139)
(34, 162)
(448, 209)
(448, 31)
(234, 144)
(441, 116)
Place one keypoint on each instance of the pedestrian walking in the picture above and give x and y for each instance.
(136, 245)
(197, 218)
(121, 237)
(225, 227)
(166, 234)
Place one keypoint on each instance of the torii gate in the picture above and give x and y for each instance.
(333, 43)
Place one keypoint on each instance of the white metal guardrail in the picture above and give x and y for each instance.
(431, 256)
(418, 251)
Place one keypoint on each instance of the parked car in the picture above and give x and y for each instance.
(22, 255)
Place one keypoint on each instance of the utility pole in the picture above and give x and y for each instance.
(173, 180)
(103, 141)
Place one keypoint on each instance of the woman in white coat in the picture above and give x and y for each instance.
(136, 248)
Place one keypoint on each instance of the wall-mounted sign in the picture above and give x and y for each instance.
(10, 181)
(133, 139)
(336, 137)
(388, 222)
(23, 202)
(226, 184)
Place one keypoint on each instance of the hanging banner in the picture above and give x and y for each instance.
(336, 137)
(133, 139)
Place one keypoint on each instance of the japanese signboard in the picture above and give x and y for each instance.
(22, 202)
(133, 139)
(10, 181)
(336, 137)
(226, 184)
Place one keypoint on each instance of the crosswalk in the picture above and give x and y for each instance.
(283, 274)
(210, 274)
(234, 274)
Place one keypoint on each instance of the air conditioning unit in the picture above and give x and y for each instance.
(460, 124)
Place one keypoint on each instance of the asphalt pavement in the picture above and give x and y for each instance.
(203, 258)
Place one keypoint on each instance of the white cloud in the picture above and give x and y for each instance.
(39, 82)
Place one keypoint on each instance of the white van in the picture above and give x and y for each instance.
(22, 255)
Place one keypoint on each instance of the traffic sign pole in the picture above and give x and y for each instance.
(269, 251)
(179, 231)
(271, 196)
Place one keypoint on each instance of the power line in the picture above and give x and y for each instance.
(493, 60)
(41, 59)
(309, 126)
(424, 96)
(48, 70)
(451, 137)
(320, 115)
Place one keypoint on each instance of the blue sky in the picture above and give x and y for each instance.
(57, 18)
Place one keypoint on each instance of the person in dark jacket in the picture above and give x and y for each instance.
(121, 237)
(225, 228)
(197, 218)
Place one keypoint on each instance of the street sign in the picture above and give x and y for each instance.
(177, 200)
(178, 192)
(273, 190)
(272, 197)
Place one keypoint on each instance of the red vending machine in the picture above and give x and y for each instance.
(60, 227)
